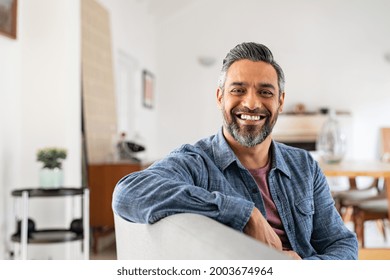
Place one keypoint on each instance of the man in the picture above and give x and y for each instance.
(241, 177)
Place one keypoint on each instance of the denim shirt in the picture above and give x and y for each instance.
(208, 179)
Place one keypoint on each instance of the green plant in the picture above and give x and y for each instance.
(51, 157)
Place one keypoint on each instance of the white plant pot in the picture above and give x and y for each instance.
(51, 178)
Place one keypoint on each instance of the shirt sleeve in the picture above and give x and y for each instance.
(177, 184)
(330, 237)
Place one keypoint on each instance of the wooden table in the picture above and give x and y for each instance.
(356, 168)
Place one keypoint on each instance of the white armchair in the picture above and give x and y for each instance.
(187, 236)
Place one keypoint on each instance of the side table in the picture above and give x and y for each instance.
(45, 236)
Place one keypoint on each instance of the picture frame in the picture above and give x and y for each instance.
(8, 18)
(148, 89)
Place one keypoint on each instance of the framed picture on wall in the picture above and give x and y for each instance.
(148, 89)
(8, 18)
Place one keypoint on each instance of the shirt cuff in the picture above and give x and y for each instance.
(236, 212)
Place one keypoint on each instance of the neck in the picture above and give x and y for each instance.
(251, 157)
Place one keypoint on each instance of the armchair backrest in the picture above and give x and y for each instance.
(185, 237)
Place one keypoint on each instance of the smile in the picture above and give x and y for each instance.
(250, 117)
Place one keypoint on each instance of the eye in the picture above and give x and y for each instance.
(266, 93)
(237, 91)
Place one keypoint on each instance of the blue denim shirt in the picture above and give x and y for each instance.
(207, 178)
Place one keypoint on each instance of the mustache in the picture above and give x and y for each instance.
(256, 111)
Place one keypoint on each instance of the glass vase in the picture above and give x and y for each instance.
(331, 142)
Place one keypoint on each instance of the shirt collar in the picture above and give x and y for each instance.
(224, 155)
(278, 161)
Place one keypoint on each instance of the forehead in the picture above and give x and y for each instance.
(251, 71)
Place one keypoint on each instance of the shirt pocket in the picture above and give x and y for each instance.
(305, 206)
(304, 215)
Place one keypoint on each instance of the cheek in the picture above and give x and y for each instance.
(231, 103)
(224, 105)
(274, 107)
(226, 111)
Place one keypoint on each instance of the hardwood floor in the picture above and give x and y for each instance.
(374, 254)
(106, 249)
(107, 253)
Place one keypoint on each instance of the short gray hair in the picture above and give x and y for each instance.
(254, 52)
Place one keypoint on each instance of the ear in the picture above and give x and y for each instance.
(281, 101)
(219, 96)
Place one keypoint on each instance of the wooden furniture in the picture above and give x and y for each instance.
(354, 169)
(27, 234)
(385, 139)
(376, 208)
(102, 179)
(374, 254)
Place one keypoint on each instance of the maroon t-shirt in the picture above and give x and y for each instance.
(273, 218)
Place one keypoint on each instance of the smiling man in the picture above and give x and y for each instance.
(240, 176)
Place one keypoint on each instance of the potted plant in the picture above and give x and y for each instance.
(51, 174)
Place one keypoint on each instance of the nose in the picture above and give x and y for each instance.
(251, 100)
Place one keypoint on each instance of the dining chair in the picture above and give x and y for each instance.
(374, 207)
(346, 199)
(350, 203)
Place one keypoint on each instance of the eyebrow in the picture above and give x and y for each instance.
(262, 85)
(267, 85)
(237, 84)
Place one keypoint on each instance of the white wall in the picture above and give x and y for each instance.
(332, 53)
(40, 102)
(51, 102)
(50, 88)
(9, 129)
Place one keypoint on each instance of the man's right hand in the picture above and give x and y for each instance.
(260, 229)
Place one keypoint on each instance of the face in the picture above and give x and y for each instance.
(250, 102)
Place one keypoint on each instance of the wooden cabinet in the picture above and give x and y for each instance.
(102, 179)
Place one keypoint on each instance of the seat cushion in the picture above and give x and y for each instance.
(377, 205)
(356, 194)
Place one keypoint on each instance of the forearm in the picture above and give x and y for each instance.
(260, 229)
(148, 196)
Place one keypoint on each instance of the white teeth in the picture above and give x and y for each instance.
(248, 117)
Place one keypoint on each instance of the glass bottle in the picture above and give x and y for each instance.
(331, 142)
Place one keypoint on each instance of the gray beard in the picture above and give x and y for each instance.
(250, 137)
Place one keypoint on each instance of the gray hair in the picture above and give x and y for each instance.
(254, 52)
